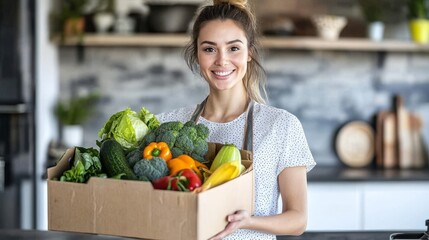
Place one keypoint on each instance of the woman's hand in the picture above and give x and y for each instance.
(239, 219)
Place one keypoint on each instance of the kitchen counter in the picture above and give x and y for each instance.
(338, 174)
(368, 235)
(14, 234)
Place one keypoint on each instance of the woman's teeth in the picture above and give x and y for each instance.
(223, 73)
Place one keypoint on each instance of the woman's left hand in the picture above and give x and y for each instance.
(239, 219)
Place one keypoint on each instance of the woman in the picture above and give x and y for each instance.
(223, 50)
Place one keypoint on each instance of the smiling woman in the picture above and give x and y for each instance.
(223, 50)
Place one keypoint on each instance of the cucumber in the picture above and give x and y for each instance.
(113, 160)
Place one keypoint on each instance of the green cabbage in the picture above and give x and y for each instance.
(128, 127)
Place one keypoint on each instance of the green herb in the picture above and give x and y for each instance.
(86, 164)
(372, 10)
(418, 9)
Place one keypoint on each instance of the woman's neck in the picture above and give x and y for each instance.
(223, 107)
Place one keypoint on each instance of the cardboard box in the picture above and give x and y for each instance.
(134, 209)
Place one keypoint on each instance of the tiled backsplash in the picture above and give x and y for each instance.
(324, 89)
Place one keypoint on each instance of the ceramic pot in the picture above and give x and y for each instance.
(74, 27)
(329, 27)
(103, 21)
(419, 30)
(124, 25)
(72, 135)
(375, 31)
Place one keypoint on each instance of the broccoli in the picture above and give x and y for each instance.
(190, 124)
(202, 131)
(199, 158)
(151, 169)
(190, 132)
(189, 138)
(150, 137)
(166, 126)
(168, 137)
(200, 146)
(175, 151)
(185, 143)
(133, 157)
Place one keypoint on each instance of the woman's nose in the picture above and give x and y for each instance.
(221, 59)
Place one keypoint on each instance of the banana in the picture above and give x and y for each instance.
(225, 172)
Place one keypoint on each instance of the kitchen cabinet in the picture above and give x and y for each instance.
(395, 206)
(356, 206)
(298, 43)
(334, 207)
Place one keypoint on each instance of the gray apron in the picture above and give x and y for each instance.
(248, 127)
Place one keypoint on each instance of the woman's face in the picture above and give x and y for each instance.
(222, 54)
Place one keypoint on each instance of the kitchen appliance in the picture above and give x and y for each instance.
(16, 116)
(412, 236)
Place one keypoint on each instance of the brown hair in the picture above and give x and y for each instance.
(239, 12)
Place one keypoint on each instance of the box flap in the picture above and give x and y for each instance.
(215, 204)
(62, 165)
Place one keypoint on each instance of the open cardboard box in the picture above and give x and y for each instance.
(135, 209)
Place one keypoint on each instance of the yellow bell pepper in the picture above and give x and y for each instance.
(159, 149)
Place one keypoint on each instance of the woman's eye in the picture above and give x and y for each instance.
(235, 49)
(208, 49)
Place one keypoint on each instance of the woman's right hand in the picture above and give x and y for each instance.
(239, 219)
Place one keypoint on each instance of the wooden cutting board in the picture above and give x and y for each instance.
(405, 147)
(390, 141)
(418, 151)
(379, 147)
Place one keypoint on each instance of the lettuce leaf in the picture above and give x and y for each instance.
(149, 119)
(128, 127)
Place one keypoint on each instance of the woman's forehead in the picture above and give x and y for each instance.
(221, 31)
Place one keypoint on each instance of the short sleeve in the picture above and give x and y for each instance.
(296, 151)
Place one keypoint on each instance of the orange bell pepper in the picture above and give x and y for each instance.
(185, 162)
(157, 149)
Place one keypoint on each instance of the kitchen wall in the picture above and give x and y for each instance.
(324, 89)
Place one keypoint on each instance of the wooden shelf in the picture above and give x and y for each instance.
(302, 43)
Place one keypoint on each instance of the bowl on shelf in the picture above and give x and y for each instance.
(329, 27)
(170, 17)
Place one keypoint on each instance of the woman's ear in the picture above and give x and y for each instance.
(249, 55)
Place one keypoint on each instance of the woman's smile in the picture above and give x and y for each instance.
(223, 74)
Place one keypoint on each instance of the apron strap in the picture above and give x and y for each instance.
(248, 127)
(198, 111)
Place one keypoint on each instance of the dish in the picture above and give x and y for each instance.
(355, 144)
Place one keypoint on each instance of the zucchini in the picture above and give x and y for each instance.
(227, 153)
(113, 160)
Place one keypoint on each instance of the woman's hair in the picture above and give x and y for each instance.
(239, 12)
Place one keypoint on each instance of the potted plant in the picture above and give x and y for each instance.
(418, 20)
(71, 114)
(372, 11)
(72, 18)
(104, 16)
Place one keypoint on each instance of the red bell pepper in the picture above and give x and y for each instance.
(186, 180)
(189, 179)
